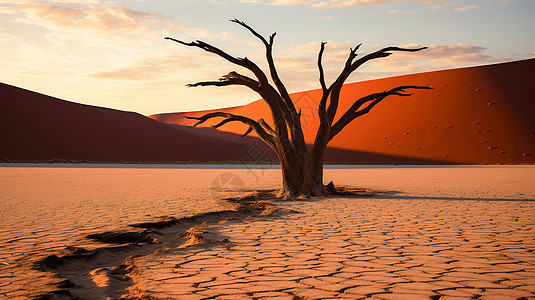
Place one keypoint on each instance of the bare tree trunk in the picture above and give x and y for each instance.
(292, 174)
(303, 178)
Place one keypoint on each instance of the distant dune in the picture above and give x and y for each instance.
(475, 115)
(42, 128)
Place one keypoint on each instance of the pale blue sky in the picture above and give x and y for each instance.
(112, 53)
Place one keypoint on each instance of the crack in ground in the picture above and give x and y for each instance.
(110, 271)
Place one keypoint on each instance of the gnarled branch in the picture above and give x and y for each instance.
(353, 112)
(351, 65)
(280, 112)
(264, 85)
(272, 69)
(266, 126)
(232, 78)
(322, 111)
(337, 85)
(292, 117)
(379, 54)
(320, 67)
(253, 125)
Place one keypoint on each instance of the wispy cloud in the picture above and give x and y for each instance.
(290, 2)
(91, 19)
(147, 68)
(329, 4)
(348, 3)
(85, 2)
(328, 18)
(465, 8)
(395, 11)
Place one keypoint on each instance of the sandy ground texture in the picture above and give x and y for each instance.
(382, 247)
(433, 232)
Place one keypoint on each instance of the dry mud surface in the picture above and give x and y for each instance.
(434, 233)
(355, 248)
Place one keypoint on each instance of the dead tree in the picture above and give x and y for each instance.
(302, 166)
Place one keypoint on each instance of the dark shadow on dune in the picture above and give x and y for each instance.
(332, 155)
(344, 156)
(498, 74)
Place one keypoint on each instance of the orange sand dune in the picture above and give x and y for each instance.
(474, 115)
(41, 128)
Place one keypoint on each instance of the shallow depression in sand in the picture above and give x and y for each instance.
(45, 209)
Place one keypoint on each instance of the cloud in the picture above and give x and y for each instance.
(289, 2)
(435, 57)
(94, 20)
(347, 3)
(465, 8)
(328, 18)
(333, 3)
(438, 5)
(84, 2)
(147, 68)
(434, 52)
(395, 11)
(15, 2)
(278, 2)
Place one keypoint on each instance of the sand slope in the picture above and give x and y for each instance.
(38, 127)
(474, 115)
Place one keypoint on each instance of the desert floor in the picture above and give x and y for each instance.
(384, 247)
(430, 232)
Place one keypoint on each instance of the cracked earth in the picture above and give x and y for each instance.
(336, 248)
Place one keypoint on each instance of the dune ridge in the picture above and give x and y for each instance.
(473, 115)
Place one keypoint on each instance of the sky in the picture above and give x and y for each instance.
(113, 53)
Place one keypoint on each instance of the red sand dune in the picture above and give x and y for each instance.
(42, 128)
(474, 115)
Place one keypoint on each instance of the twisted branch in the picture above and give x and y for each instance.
(292, 117)
(272, 69)
(253, 125)
(351, 65)
(353, 112)
(279, 110)
(232, 78)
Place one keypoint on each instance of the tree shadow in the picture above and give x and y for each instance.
(396, 195)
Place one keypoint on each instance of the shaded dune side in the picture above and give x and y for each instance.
(41, 128)
(474, 115)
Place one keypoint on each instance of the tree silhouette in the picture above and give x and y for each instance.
(302, 166)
